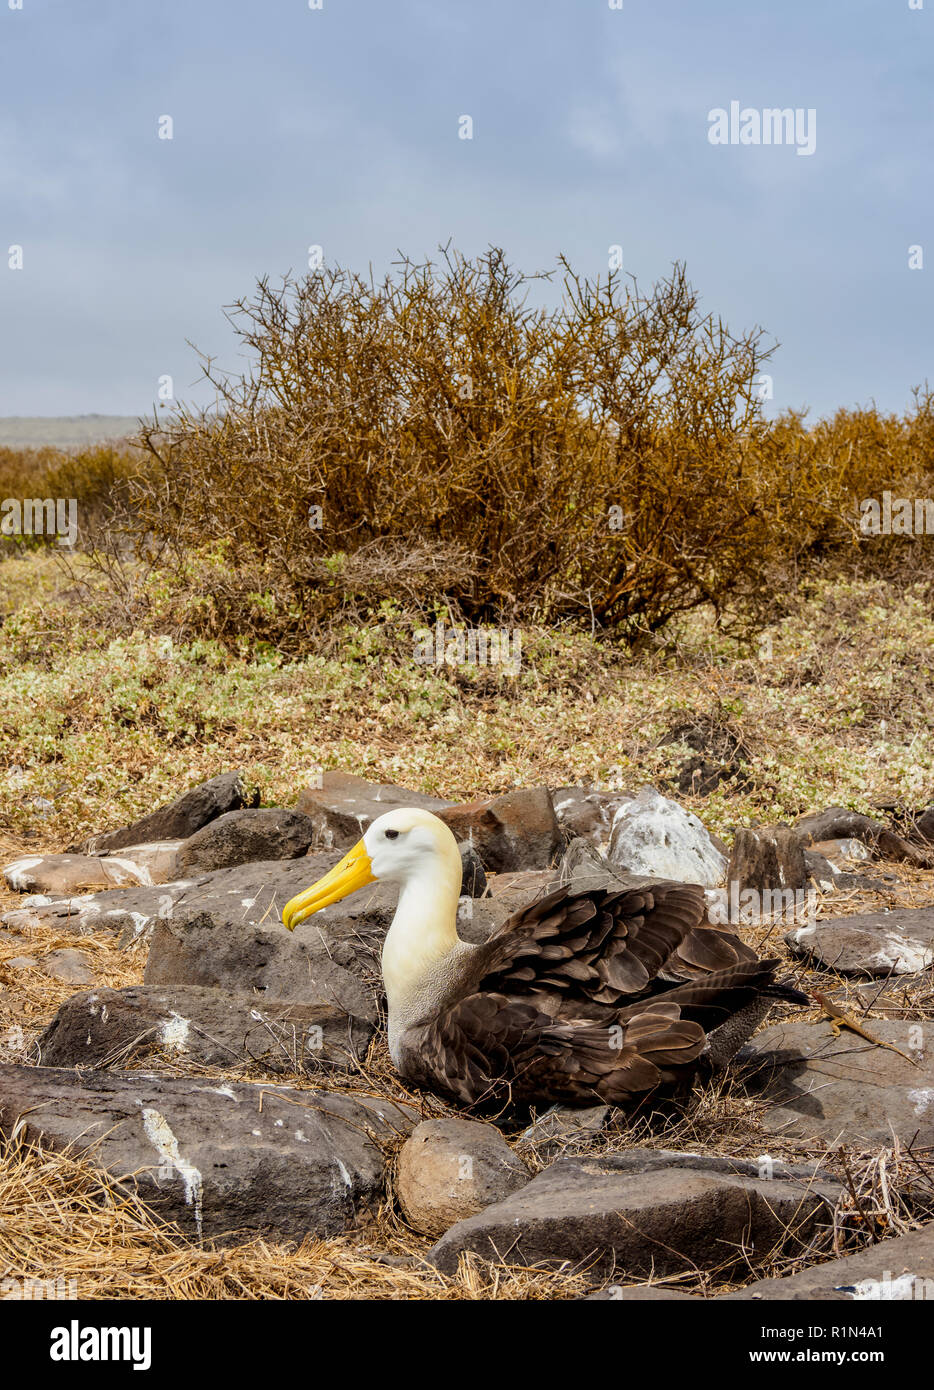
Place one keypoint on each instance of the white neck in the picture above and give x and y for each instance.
(422, 936)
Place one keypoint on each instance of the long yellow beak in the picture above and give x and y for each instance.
(351, 873)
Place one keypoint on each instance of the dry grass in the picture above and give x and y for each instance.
(63, 1219)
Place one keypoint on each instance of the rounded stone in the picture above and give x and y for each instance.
(453, 1168)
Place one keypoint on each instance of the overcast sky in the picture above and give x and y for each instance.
(339, 127)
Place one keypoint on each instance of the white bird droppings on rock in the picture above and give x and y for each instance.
(885, 1290)
(17, 874)
(173, 1032)
(160, 1135)
(922, 1098)
(903, 956)
(652, 835)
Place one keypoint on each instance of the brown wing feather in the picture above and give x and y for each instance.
(490, 1050)
(704, 950)
(599, 947)
(602, 994)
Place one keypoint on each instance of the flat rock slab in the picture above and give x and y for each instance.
(343, 807)
(199, 948)
(157, 858)
(870, 943)
(111, 1027)
(72, 873)
(181, 818)
(900, 1269)
(841, 1089)
(216, 1158)
(640, 1213)
(69, 966)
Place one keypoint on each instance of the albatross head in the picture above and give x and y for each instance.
(410, 847)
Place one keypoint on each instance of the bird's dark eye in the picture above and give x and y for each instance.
(392, 834)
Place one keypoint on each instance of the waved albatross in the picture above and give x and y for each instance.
(601, 994)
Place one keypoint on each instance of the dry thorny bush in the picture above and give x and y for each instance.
(441, 436)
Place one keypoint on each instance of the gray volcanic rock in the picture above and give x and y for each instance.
(250, 893)
(71, 873)
(869, 943)
(842, 1089)
(826, 873)
(156, 858)
(900, 1269)
(645, 1212)
(843, 853)
(655, 836)
(198, 948)
(244, 837)
(478, 919)
(178, 820)
(344, 806)
(518, 830)
(194, 1023)
(587, 811)
(217, 1159)
(453, 1168)
(838, 823)
(517, 890)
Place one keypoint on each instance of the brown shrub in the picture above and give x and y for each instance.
(605, 460)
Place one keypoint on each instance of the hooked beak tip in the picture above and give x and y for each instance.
(353, 872)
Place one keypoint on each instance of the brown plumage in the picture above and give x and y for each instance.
(595, 996)
(592, 993)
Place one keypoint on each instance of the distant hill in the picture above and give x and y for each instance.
(63, 431)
